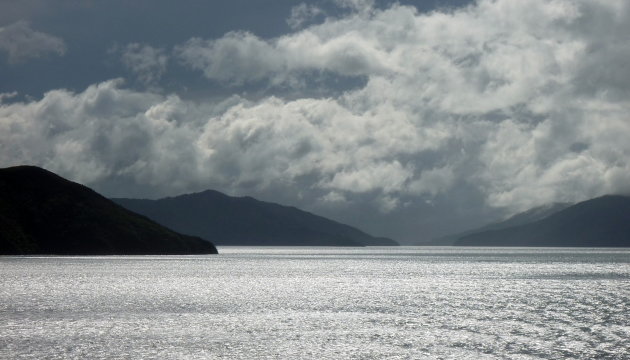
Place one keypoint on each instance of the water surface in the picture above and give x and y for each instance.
(332, 303)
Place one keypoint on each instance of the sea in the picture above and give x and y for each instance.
(320, 303)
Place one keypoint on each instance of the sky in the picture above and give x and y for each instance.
(409, 119)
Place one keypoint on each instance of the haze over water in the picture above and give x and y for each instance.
(333, 303)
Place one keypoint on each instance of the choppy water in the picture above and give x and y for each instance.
(331, 303)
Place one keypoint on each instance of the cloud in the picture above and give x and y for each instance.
(302, 14)
(21, 42)
(505, 85)
(146, 62)
(7, 96)
(500, 104)
(237, 57)
(355, 5)
(110, 131)
(242, 57)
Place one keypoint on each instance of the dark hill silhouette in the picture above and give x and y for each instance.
(42, 213)
(246, 221)
(531, 215)
(600, 222)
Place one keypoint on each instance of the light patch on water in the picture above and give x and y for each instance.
(332, 303)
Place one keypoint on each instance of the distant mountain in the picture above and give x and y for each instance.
(531, 215)
(246, 221)
(600, 222)
(42, 213)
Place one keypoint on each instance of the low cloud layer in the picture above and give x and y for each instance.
(21, 42)
(519, 103)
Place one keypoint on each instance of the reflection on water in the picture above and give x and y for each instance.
(293, 303)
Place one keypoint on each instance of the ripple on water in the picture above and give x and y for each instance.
(294, 303)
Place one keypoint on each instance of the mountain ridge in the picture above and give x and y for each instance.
(230, 220)
(527, 216)
(598, 222)
(43, 213)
